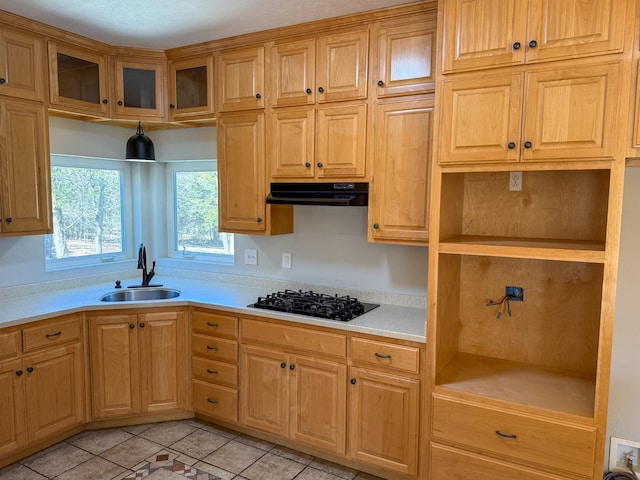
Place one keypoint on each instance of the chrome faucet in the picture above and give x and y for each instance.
(142, 265)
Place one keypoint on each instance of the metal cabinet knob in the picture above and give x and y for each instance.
(171, 105)
(533, 44)
(319, 164)
(18, 373)
(142, 325)
(309, 91)
(516, 46)
(307, 164)
(292, 367)
(132, 326)
(353, 381)
(283, 365)
(120, 102)
(258, 96)
(9, 219)
(511, 145)
(321, 90)
(3, 80)
(30, 369)
(105, 101)
(259, 220)
(376, 226)
(380, 83)
(528, 144)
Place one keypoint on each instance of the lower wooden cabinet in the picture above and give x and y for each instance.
(138, 363)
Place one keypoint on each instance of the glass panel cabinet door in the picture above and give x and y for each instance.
(191, 88)
(140, 88)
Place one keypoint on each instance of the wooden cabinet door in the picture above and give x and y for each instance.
(483, 33)
(78, 80)
(318, 403)
(240, 84)
(406, 59)
(264, 396)
(481, 119)
(341, 140)
(114, 365)
(163, 361)
(12, 420)
(191, 87)
(54, 391)
(294, 67)
(25, 196)
(341, 67)
(571, 113)
(573, 28)
(21, 65)
(140, 90)
(383, 420)
(292, 143)
(241, 170)
(399, 203)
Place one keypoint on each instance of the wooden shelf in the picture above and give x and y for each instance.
(519, 383)
(536, 248)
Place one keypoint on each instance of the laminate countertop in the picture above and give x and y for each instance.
(388, 320)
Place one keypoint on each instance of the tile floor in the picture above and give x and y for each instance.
(173, 451)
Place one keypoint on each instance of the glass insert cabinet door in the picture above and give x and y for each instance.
(140, 88)
(191, 87)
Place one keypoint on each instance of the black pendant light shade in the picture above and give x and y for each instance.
(139, 146)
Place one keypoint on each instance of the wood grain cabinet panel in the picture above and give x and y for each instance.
(22, 65)
(240, 79)
(294, 65)
(13, 434)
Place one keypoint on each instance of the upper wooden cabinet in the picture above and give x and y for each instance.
(406, 58)
(544, 114)
(240, 79)
(139, 88)
(78, 80)
(21, 65)
(25, 196)
(327, 69)
(482, 34)
(191, 88)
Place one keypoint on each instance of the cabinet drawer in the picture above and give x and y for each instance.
(518, 436)
(215, 372)
(447, 462)
(49, 334)
(212, 347)
(385, 354)
(9, 344)
(215, 401)
(305, 339)
(210, 323)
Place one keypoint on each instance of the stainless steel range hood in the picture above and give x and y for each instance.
(334, 194)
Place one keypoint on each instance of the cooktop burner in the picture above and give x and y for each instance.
(343, 308)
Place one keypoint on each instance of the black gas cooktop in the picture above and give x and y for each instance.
(334, 307)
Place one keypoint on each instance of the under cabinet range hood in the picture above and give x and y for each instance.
(335, 194)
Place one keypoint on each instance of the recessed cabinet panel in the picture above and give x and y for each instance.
(342, 66)
(292, 143)
(240, 84)
(12, 421)
(294, 82)
(21, 65)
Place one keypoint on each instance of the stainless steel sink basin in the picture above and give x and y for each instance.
(138, 294)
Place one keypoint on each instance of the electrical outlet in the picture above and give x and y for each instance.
(250, 256)
(286, 260)
(620, 450)
(515, 294)
(515, 181)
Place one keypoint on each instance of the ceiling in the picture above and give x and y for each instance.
(164, 24)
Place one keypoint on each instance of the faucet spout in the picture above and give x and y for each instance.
(142, 264)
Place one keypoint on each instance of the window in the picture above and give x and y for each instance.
(193, 199)
(90, 214)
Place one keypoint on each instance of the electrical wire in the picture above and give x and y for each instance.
(621, 474)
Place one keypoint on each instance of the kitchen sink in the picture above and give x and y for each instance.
(138, 294)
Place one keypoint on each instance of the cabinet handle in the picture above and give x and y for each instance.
(259, 220)
(30, 369)
(381, 356)
(321, 90)
(53, 335)
(211, 401)
(376, 226)
(9, 219)
(209, 347)
(105, 101)
(516, 46)
(353, 381)
(171, 105)
(511, 145)
(319, 164)
(258, 96)
(120, 102)
(533, 44)
(212, 324)
(18, 373)
(528, 144)
(380, 83)
(309, 91)
(283, 365)
(3, 80)
(132, 326)
(292, 367)
(504, 435)
(142, 325)
(212, 372)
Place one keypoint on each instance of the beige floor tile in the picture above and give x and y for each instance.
(215, 471)
(19, 472)
(222, 431)
(98, 441)
(168, 432)
(273, 467)
(199, 444)
(132, 452)
(313, 474)
(137, 429)
(95, 469)
(163, 474)
(255, 442)
(53, 462)
(334, 469)
(292, 454)
(234, 456)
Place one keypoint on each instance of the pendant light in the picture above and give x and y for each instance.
(139, 146)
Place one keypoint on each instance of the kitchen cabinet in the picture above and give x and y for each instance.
(78, 80)
(214, 360)
(399, 197)
(138, 362)
(22, 64)
(240, 79)
(524, 110)
(25, 196)
(139, 87)
(191, 88)
(485, 34)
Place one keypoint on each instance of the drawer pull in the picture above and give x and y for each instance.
(209, 347)
(53, 335)
(212, 324)
(505, 435)
(382, 356)
(212, 372)
(212, 401)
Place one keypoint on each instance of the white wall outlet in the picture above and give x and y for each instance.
(621, 450)
(286, 260)
(515, 181)
(250, 256)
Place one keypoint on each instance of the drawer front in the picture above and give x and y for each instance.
(210, 323)
(215, 372)
(448, 462)
(304, 339)
(518, 436)
(213, 347)
(10, 344)
(215, 401)
(399, 357)
(51, 334)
